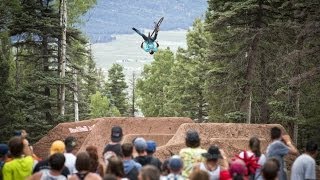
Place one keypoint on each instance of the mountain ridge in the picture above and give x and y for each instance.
(109, 17)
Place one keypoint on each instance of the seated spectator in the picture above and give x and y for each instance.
(211, 165)
(115, 167)
(199, 175)
(21, 165)
(131, 168)
(83, 168)
(304, 167)
(280, 147)
(175, 167)
(70, 143)
(149, 172)
(114, 146)
(151, 149)
(270, 169)
(56, 147)
(95, 165)
(254, 146)
(191, 155)
(4, 149)
(56, 163)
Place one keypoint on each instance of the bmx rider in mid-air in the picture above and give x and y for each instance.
(149, 45)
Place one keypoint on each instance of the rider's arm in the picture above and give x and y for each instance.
(157, 44)
(141, 45)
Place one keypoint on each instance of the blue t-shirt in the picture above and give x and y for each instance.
(150, 46)
(278, 150)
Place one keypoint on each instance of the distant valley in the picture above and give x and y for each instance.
(111, 17)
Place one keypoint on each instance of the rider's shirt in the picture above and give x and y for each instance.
(148, 46)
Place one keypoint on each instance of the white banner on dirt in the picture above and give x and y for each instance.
(81, 129)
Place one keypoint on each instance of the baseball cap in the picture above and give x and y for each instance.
(151, 146)
(140, 144)
(175, 163)
(57, 147)
(116, 134)
(3, 149)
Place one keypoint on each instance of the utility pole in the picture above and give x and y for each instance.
(62, 53)
(75, 95)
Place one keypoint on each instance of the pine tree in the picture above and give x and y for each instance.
(152, 87)
(116, 88)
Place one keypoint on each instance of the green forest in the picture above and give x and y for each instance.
(249, 61)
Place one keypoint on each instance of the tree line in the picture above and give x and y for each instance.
(30, 68)
(246, 62)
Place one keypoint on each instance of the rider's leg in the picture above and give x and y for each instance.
(155, 36)
(141, 34)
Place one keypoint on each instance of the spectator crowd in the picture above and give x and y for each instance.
(136, 160)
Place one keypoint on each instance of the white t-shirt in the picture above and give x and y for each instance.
(304, 167)
(46, 175)
(214, 175)
(70, 162)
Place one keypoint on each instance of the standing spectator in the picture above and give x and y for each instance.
(304, 167)
(3, 157)
(255, 150)
(95, 165)
(151, 149)
(175, 167)
(83, 168)
(140, 145)
(131, 168)
(56, 147)
(192, 154)
(165, 168)
(211, 165)
(21, 165)
(149, 172)
(238, 169)
(280, 147)
(56, 163)
(270, 169)
(115, 167)
(70, 143)
(114, 147)
(23, 134)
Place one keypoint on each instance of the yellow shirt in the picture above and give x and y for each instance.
(18, 168)
(190, 157)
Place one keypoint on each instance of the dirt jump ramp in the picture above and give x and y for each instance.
(97, 131)
(168, 132)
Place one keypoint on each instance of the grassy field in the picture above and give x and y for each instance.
(125, 50)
